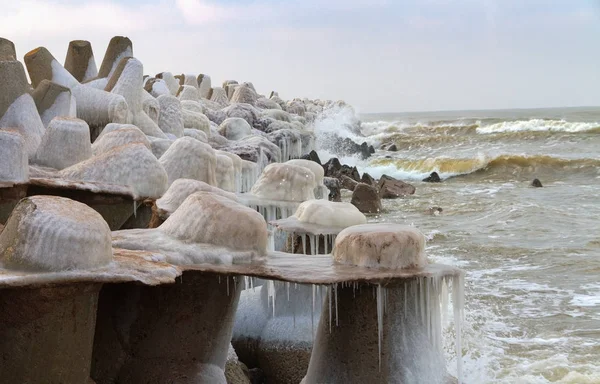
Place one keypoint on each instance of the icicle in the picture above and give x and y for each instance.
(329, 299)
(287, 287)
(317, 238)
(326, 244)
(312, 315)
(379, 320)
(312, 245)
(227, 285)
(304, 244)
(337, 321)
(134, 208)
(458, 298)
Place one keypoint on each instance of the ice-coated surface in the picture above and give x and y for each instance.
(131, 165)
(316, 168)
(244, 94)
(112, 138)
(188, 92)
(171, 82)
(206, 228)
(219, 96)
(181, 189)
(65, 143)
(235, 128)
(329, 213)
(188, 158)
(196, 134)
(285, 182)
(225, 173)
(384, 245)
(127, 81)
(51, 233)
(170, 118)
(22, 116)
(237, 168)
(14, 165)
(196, 120)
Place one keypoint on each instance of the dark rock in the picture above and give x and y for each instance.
(435, 211)
(351, 172)
(392, 148)
(388, 157)
(332, 167)
(390, 188)
(367, 179)
(312, 156)
(536, 183)
(366, 199)
(348, 183)
(364, 150)
(371, 149)
(333, 185)
(256, 376)
(433, 178)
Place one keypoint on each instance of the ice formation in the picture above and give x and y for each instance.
(381, 245)
(321, 190)
(95, 106)
(65, 143)
(235, 128)
(127, 81)
(244, 93)
(219, 96)
(195, 120)
(53, 233)
(250, 174)
(237, 169)
(170, 81)
(80, 61)
(329, 214)
(17, 108)
(230, 232)
(131, 165)
(53, 100)
(170, 118)
(116, 135)
(14, 166)
(180, 190)
(188, 92)
(204, 86)
(188, 158)
(225, 172)
(196, 134)
(285, 182)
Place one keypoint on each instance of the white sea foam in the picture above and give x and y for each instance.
(539, 125)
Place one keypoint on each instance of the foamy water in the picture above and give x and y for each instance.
(532, 255)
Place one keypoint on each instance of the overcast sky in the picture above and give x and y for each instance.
(378, 55)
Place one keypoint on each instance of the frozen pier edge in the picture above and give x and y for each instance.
(137, 212)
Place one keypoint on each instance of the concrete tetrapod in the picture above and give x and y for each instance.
(394, 337)
(55, 253)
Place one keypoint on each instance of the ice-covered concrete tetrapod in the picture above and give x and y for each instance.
(321, 191)
(80, 61)
(188, 158)
(393, 338)
(46, 333)
(285, 182)
(14, 166)
(179, 333)
(110, 139)
(237, 169)
(127, 80)
(170, 118)
(235, 128)
(95, 106)
(65, 143)
(178, 192)
(17, 108)
(53, 100)
(131, 165)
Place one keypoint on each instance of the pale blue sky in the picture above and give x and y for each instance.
(379, 55)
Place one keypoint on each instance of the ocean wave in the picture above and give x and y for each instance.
(386, 130)
(503, 165)
(540, 125)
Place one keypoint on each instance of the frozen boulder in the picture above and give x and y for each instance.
(285, 182)
(189, 158)
(65, 143)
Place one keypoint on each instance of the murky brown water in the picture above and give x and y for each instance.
(532, 255)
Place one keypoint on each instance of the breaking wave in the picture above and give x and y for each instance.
(541, 125)
(500, 166)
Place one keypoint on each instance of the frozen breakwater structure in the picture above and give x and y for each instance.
(138, 212)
